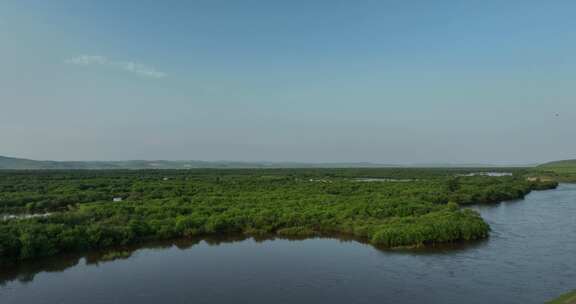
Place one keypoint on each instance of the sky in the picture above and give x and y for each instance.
(308, 81)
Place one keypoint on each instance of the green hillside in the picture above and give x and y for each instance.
(564, 170)
(569, 298)
(570, 163)
(20, 163)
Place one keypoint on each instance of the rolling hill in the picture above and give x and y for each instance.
(564, 170)
(570, 163)
(11, 163)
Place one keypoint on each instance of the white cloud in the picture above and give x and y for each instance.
(87, 60)
(140, 69)
(129, 66)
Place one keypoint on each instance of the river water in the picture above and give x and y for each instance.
(529, 258)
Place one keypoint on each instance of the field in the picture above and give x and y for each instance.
(569, 298)
(89, 210)
(564, 170)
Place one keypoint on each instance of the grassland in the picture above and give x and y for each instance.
(563, 171)
(569, 298)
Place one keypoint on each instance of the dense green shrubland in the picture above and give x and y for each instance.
(289, 202)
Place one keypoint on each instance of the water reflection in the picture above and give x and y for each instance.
(26, 272)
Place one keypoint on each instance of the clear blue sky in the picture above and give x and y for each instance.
(318, 81)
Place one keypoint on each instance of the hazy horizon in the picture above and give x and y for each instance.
(385, 82)
(502, 163)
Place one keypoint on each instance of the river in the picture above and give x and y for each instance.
(529, 258)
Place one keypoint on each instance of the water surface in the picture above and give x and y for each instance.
(529, 258)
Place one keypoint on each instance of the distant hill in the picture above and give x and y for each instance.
(560, 164)
(11, 163)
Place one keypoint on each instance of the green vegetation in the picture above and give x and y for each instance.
(564, 170)
(560, 164)
(569, 298)
(167, 204)
(115, 255)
